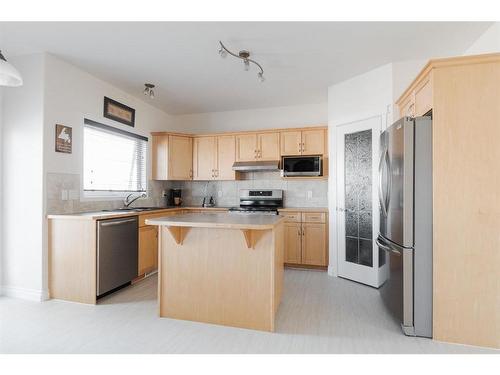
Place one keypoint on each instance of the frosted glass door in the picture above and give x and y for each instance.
(357, 202)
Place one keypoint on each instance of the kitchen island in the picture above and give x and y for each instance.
(221, 268)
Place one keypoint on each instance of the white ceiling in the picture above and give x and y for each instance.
(300, 59)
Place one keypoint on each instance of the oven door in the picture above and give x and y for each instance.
(302, 166)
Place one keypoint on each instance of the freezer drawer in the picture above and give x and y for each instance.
(397, 291)
(117, 253)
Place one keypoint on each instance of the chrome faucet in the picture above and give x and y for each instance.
(126, 201)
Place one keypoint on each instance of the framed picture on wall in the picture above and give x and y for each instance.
(117, 111)
(64, 139)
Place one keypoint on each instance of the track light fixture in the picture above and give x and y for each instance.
(245, 56)
(9, 76)
(148, 90)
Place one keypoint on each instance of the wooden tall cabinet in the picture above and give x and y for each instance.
(172, 157)
(306, 239)
(464, 96)
(213, 158)
(258, 146)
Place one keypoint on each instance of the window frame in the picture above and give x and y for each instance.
(110, 195)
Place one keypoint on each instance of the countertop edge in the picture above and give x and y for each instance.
(188, 224)
(114, 214)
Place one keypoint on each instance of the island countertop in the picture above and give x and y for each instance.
(219, 220)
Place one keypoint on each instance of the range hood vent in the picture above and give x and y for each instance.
(256, 166)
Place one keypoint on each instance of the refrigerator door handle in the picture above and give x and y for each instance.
(387, 248)
(380, 190)
(389, 181)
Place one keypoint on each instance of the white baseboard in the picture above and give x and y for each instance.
(25, 293)
(331, 271)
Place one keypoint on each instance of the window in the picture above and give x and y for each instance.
(114, 161)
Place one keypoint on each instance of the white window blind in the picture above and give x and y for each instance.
(113, 160)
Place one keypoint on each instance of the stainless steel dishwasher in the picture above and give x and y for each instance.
(117, 253)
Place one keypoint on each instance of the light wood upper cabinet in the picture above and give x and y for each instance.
(204, 158)
(305, 142)
(314, 244)
(246, 147)
(172, 157)
(291, 142)
(180, 158)
(226, 151)
(268, 146)
(293, 243)
(417, 101)
(160, 157)
(258, 146)
(313, 142)
(423, 96)
(213, 158)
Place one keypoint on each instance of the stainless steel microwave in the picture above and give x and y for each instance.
(302, 166)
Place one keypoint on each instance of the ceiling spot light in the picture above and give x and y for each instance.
(148, 90)
(245, 56)
(9, 76)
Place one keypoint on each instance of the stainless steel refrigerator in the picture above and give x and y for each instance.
(405, 236)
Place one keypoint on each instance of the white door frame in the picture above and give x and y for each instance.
(357, 272)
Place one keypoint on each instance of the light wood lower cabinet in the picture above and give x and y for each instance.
(148, 249)
(293, 243)
(314, 244)
(306, 239)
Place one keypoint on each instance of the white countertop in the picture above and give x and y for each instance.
(219, 220)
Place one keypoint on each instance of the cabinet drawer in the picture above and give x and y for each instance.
(291, 217)
(313, 217)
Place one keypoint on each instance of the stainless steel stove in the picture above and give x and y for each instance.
(264, 202)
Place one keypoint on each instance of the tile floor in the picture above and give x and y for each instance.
(318, 314)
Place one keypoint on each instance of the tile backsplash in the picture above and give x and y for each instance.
(58, 184)
(225, 193)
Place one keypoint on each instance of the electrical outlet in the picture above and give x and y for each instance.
(164, 193)
(219, 194)
(309, 194)
(64, 195)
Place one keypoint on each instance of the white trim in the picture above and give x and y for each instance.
(25, 293)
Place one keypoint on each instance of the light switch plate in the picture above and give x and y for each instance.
(219, 194)
(64, 195)
(309, 194)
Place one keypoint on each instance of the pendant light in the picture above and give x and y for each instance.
(9, 76)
